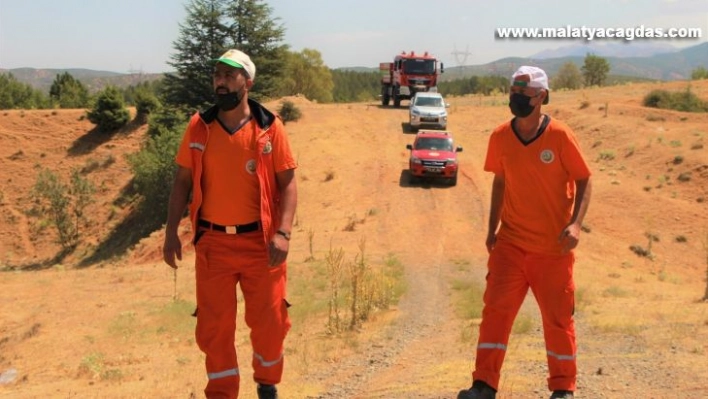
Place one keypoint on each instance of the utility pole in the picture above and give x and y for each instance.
(461, 56)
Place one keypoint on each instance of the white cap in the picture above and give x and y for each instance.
(238, 59)
(537, 78)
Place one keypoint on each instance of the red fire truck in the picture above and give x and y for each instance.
(408, 74)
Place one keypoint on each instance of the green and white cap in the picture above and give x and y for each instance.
(537, 79)
(238, 59)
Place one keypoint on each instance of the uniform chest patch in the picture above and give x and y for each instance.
(547, 156)
(251, 166)
(267, 148)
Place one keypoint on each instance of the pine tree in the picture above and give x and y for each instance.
(68, 92)
(202, 38)
(109, 112)
(259, 35)
(212, 27)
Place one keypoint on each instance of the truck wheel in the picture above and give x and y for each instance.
(396, 97)
(384, 97)
(453, 180)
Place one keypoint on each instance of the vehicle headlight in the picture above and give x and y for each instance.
(415, 111)
(452, 161)
(415, 160)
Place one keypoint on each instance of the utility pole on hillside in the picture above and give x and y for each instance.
(139, 72)
(461, 56)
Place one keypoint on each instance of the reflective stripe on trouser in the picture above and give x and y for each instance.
(511, 272)
(222, 262)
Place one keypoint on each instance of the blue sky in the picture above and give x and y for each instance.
(137, 35)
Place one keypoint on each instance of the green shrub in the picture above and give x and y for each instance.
(52, 195)
(685, 101)
(166, 121)
(82, 192)
(59, 201)
(699, 73)
(154, 165)
(657, 99)
(289, 112)
(109, 112)
(146, 103)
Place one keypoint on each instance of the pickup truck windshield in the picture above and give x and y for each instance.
(428, 102)
(434, 143)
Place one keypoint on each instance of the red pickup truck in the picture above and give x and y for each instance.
(433, 155)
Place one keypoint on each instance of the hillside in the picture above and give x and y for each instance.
(94, 81)
(668, 66)
(121, 328)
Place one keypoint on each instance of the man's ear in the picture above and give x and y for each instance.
(249, 84)
(542, 94)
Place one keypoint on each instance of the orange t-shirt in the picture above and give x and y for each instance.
(230, 187)
(539, 179)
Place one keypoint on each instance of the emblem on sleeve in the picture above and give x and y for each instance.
(547, 156)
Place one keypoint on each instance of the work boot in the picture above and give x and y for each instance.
(560, 394)
(267, 392)
(479, 390)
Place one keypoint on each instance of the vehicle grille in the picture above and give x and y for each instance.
(433, 163)
(419, 81)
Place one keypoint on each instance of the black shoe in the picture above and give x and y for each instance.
(562, 395)
(479, 390)
(267, 392)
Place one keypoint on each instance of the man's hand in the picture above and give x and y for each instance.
(171, 249)
(569, 237)
(277, 250)
(491, 242)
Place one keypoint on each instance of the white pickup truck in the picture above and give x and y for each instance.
(428, 110)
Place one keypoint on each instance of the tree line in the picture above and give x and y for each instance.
(307, 75)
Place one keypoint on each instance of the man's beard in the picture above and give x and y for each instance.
(229, 101)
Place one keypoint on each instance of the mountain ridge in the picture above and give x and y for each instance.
(621, 50)
(676, 65)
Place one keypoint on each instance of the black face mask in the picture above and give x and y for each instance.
(520, 106)
(229, 101)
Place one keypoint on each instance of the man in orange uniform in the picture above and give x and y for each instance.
(540, 195)
(236, 161)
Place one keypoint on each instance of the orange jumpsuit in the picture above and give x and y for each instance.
(234, 184)
(538, 202)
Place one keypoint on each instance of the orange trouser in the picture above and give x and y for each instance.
(512, 271)
(222, 261)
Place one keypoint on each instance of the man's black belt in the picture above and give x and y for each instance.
(235, 229)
